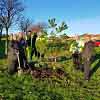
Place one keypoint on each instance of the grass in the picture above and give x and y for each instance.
(71, 87)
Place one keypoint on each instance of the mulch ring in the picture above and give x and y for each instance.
(47, 73)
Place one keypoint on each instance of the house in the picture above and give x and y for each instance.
(91, 36)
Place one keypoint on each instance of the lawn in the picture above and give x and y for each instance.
(71, 87)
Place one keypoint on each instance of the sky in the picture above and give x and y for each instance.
(82, 16)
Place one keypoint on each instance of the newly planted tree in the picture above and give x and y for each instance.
(56, 30)
(62, 27)
(52, 26)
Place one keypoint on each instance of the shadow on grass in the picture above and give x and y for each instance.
(63, 58)
(95, 68)
(2, 56)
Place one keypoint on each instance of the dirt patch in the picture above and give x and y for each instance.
(47, 73)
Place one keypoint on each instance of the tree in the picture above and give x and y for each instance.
(9, 13)
(55, 28)
(1, 28)
(52, 25)
(52, 22)
(62, 27)
(25, 24)
(40, 28)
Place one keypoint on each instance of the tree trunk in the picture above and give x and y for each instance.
(0, 34)
(6, 43)
(55, 59)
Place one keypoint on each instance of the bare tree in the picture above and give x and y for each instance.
(9, 13)
(39, 27)
(25, 24)
(1, 28)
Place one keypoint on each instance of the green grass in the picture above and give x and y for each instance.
(71, 87)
